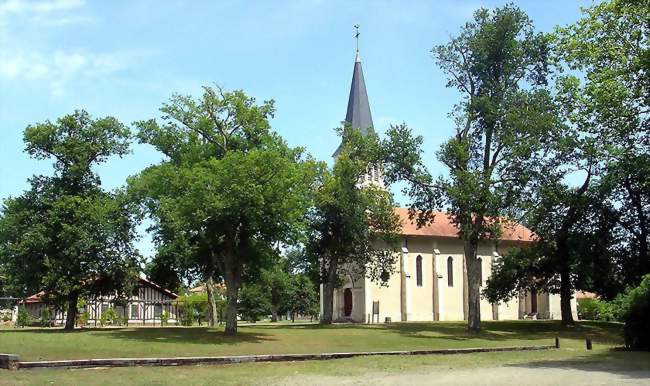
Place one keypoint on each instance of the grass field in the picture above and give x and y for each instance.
(44, 344)
(34, 344)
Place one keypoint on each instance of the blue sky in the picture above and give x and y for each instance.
(124, 58)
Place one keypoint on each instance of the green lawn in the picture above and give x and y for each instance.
(43, 344)
(34, 344)
(334, 371)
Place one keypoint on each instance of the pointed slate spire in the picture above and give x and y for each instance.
(358, 114)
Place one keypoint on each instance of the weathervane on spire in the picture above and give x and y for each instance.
(356, 35)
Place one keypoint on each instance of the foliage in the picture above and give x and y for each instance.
(22, 318)
(354, 229)
(191, 308)
(228, 191)
(45, 318)
(83, 318)
(277, 283)
(108, 317)
(608, 48)
(637, 316)
(164, 318)
(593, 237)
(66, 235)
(303, 298)
(499, 64)
(595, 309)
(254, 302)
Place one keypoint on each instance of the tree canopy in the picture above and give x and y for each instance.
(230, 190)
(499, 64)
(66, 235)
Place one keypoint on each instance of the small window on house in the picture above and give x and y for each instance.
(157, 310)
(480, 271)
(135, 311)
(450, 271)
(418, 270)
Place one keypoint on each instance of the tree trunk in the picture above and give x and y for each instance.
(473, 287)
(328, 293)
(566, 293)
(212, 303)
(274, 313)
(232, 277)
(72, 311)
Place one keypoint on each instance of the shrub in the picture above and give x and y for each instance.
(22, 318)
(83, 318)
(109, 317)
(164, 318)
(45, 318)
(637, 316)
(253, 302)
(594, 309)
(194, 306)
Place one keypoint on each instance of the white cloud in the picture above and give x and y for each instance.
(27, 57)
(58, 68)
(37, 7)
(43, 14)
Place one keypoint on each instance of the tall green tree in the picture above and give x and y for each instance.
(277, 283)
(354, 230)
(66, 235)
(499, 65)
(230, 187)
(609, 49)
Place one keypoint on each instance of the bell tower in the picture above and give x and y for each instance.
(358, 114)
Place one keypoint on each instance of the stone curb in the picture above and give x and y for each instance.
(184, 361)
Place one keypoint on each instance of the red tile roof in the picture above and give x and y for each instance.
(37, 298)
(443, 227)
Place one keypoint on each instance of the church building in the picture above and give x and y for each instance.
(428, 282)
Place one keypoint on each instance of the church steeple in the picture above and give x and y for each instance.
(358, 114)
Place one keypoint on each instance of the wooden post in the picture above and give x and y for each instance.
(588, 342)
(557, 342)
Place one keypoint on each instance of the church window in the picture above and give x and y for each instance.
(418, 270)
(450, 271)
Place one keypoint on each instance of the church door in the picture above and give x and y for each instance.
(347, 302)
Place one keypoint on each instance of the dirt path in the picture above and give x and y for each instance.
(506, 375)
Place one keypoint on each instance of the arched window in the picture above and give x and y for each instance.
(418, 270)
(450, 271)
(480, 270)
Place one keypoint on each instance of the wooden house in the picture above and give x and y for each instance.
(144, 307)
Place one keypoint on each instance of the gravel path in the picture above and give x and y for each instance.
(505, 375)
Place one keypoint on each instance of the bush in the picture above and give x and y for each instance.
(637, 316)
(164, 318)
(109, 317)
(22, 318)
(253, 302)
(83, 318)
(191, 307)
(45, 318)
(608, 311)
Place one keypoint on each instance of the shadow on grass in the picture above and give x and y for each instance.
(494, 331)
(185, 335)
(609, 333)
(627, 364)
(605, 332)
